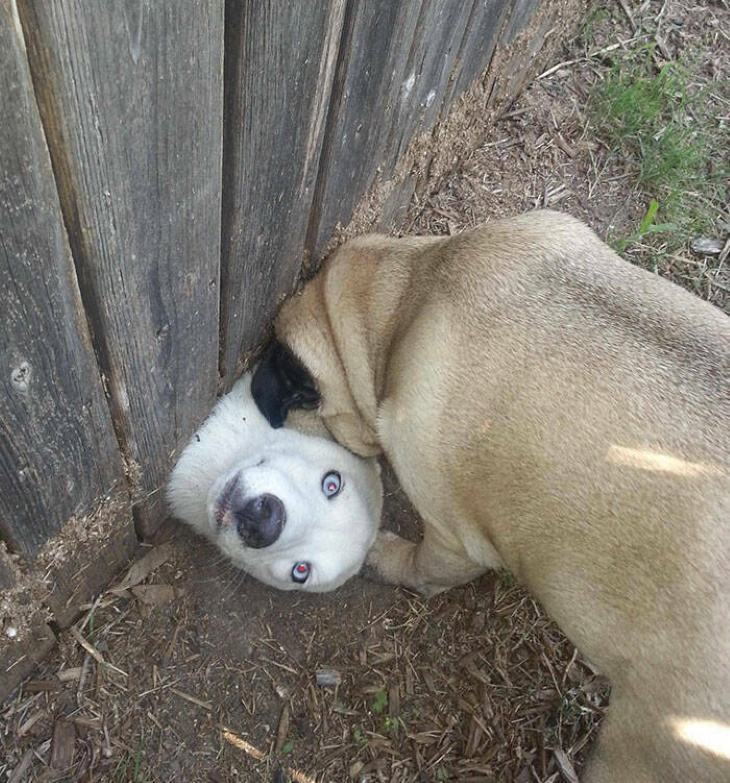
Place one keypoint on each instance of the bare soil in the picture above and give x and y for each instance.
(192, 671)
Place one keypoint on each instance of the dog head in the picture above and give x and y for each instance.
(298, 517)
(294, 511)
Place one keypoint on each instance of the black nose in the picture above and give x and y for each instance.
(260, 520)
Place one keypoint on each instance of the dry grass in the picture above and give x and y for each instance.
(475, 684)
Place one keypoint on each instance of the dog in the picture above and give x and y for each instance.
(552, 409)
(295, 511)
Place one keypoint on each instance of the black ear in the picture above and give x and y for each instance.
(282, 382)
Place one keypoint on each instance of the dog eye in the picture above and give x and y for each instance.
(331, 484)
(300, 572)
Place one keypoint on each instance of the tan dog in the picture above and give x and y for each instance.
(549, 408)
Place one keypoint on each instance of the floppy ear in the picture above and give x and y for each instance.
(281, 382)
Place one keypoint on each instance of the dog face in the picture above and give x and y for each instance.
(296, 512)
(294, 521)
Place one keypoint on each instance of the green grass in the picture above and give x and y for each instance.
(128, 767)
(658, 121)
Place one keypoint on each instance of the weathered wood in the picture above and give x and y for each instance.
(7, 572)
(397, 63)
(522, 11)
(483, 30)
(280, 63)
(58, 454)
(131, 99)
(83, 559)
(18, 658)
(485, 26)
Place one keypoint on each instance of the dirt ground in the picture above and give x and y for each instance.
(192, 671)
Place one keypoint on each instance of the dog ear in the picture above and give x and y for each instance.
(281, 382)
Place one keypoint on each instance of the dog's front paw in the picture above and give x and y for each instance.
(390, 560)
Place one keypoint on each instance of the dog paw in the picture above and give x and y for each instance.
(385, 541)
(391, 558)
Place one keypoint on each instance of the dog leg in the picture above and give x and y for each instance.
(429, 567)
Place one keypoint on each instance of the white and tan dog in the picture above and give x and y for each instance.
(550, 408)
(295, 511)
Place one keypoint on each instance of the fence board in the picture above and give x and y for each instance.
(402, 67)
(522, 11)
(131, 99)
(397, 65)
(58, 454)
(280, 64)
(486, 22)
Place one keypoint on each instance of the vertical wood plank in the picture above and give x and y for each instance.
(400, 62)
(280, 63)
(369, 74)
(522, 12)
(58, 454)
(483, 31)
(469, 41)
(130, 93)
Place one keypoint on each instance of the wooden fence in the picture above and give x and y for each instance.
(165, 168)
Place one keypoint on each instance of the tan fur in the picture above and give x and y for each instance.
(550, 408)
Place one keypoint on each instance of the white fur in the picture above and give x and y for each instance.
(332, 534)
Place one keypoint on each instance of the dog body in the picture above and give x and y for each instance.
(550, 408)
(297, 512)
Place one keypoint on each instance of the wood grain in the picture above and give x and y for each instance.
(131, 99)
(280, 63)
(399, 65)
(58, 454)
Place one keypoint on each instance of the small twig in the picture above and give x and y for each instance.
(82, 680)
(259, 755)
(206, 705)
(243, 745)
(724, 253)
(19, 772)
(589, 56)
(93, 652)
(628, 13)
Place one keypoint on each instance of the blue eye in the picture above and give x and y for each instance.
(331, 484)
(300, 572)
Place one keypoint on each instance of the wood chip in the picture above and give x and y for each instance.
(64, 743)
(27, 725)
(282, 730)
(206, 705)
(243, 745)
(144, 567)
(154, 595)
(566, 768)
(71, 674)
(259, 755)
(38, 686)
(18, 774)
